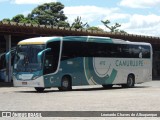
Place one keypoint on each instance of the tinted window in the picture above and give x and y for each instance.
(91, 49)
(52, 57)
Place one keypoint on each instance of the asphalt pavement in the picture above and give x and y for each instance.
(143, 97)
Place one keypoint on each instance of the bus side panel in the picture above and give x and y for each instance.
(140, 68)
(72, 67)
(99, 71)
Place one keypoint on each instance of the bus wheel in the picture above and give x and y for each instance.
(130, 82)
(66, 84)
(39, 89)
(107, 86)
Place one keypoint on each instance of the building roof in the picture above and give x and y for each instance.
(34, 30)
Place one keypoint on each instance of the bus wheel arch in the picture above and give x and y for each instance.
(66, 83)
(130, 81)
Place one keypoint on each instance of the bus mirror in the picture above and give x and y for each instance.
(8, 54)
(39, 56)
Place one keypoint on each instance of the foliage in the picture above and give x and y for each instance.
(52, 14)
(49, 14)
(63, 24)
(21, 19)
(78, 24)
(18, 18)
(6, 20)
(112, 28)
(45, 14)
(95, 28)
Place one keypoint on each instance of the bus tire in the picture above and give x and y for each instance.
(39, 89)
(107, 86)
(66, 84)
(130, 82)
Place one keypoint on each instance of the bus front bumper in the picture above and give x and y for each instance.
(39, 82)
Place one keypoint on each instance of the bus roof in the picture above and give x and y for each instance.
(44, 40)
(88, 39)
(36, 40)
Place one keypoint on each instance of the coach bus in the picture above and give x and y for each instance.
(63, 62)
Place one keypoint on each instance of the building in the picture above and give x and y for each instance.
(11, 33)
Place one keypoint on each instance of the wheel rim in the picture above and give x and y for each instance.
(130, 81)
(65, 83)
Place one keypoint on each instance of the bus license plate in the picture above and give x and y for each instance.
(24, 83)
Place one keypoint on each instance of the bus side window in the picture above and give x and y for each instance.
(48, 61)
(146, 51)
(52, 57)
(140, 52)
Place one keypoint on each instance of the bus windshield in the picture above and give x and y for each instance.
(26, 58)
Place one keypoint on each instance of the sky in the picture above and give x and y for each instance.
(140, 17)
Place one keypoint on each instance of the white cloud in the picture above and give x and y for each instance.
(32, 1)
(139, 3)
(88, 13)
(116, 16)
(144, 25)
(134, 24)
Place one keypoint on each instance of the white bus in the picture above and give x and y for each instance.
(63, 62)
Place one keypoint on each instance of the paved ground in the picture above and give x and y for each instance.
(144, 97)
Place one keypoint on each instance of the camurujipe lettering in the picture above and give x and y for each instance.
(128, 63)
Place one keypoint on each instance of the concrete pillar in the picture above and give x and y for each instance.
(8, 65)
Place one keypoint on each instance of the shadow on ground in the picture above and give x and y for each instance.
(6, 84)
(82, 89)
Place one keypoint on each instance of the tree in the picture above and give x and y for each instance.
(63, 24)
(6, 20)
(18, 18)
(95, 28)
(78, 24)
(112, 28)
(21, 19)
(45, 14)
(49, 14)
(26, 20)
